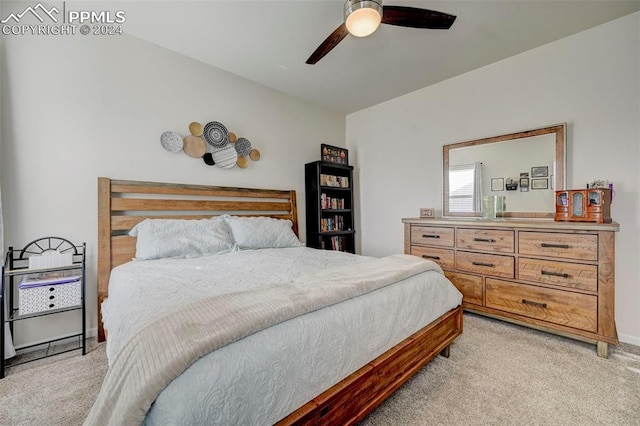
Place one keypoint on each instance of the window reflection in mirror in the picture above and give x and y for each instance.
(465, 187)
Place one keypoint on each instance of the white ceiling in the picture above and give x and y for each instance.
(269, 41)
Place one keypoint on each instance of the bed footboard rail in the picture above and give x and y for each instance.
(350, 400)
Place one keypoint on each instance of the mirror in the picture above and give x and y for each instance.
(524, 167)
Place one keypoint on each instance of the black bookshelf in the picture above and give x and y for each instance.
(329, 204)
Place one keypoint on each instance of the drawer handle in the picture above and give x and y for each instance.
(51, 305)
(426, 256)
(529, 302)
(52, 297)
(490, 265)
(549, 245)
(555, 274)
(484, 240)
(430, 236)
(325, 411)
(51, 288)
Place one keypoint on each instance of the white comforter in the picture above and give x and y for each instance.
(265, 376)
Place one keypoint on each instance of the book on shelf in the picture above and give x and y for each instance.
(339, 243)
(334, 181)
(335, 223)
(327, 202)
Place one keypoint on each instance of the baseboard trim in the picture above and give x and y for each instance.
(626, 338)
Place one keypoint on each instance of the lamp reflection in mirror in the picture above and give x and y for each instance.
(362, 18)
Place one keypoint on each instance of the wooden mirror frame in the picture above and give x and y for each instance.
(559, 171)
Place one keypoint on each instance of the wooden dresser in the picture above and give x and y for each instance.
(552, 276)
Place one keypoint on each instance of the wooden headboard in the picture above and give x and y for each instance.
(123, 204)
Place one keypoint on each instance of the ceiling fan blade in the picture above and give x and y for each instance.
(325, 47)
(414, 17)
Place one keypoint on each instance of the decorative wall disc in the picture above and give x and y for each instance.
(232, 137)
(208, 159)
(216, 134)
(243, 147)
(196, 128)
(171, 141)
(242, 162)
(254, 155)
(194, 146)
(226, 157)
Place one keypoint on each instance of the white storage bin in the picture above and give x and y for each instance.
(49, 297)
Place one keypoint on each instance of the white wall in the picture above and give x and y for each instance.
(590, 80)
(75, 108)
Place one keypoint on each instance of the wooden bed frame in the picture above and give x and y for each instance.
(123, 204)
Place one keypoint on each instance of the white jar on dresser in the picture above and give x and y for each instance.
(553, 276)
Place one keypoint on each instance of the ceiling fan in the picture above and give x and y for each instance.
(362, 18)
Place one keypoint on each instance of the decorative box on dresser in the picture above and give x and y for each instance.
(552, 276)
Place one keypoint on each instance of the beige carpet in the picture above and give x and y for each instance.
(498, 374)
(53, 391)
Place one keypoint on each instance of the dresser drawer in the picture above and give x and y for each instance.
(555, 306)
(432, 235)
(469, 285)
(487, 264)
(571, 275)
(485, 240)
(567, 246)
(443, 257)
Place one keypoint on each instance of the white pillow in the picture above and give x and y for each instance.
(181, 238)
(262, 232)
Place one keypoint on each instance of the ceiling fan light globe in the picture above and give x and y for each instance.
(362, 17)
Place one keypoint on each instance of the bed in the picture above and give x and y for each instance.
(301, 369)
